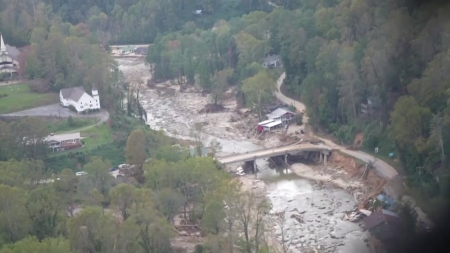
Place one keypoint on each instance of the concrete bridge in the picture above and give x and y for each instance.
(322, 150)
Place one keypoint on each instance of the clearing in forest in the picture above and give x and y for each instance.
(17, 97)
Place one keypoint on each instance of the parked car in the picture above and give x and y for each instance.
(81, 173)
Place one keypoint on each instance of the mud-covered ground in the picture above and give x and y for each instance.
(177, 113)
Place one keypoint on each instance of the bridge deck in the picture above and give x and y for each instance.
(266, 153)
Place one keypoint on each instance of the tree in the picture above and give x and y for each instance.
(66, 189)
(32, 244)
(153, 231)
(250, 49)
(14, 220)
(170, 203)
(350, 84)
(45, 211)
(122, 196)
(258, 90)
(136, 148)
(409, 122)
(97, 177)
(219, 84)
(250, 211)
(93, 231)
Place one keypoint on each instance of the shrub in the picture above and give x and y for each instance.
(72, 108)
(71, 122)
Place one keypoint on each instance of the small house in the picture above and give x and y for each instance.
(269, 125)
(61, 142)
(281, 114)
(272, 61)
(383, 224)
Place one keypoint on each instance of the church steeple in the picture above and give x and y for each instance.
(2, 44)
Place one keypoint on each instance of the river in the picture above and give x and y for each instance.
(322, 207)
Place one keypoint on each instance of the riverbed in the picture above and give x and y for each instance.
(322, 207)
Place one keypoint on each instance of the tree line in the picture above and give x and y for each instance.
(140, 212)
(121, 21)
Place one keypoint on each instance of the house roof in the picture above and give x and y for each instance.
(63, 137)
(270, 58)
(11, 51)
(278, 113)
(73, 93)
(265, 122)
(274, 123)
(380, 216)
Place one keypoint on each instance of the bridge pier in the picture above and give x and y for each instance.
(285, 159)
(325, 156)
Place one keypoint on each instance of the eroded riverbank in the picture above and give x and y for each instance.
(177, 113)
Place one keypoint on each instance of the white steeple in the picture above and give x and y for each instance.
(2, 44)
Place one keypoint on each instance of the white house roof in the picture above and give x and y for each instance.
(63, 137)
(278, 113)
(265, 122)
(73, 93)
(274, 123)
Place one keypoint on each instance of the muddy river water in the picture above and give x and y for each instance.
(321, 207)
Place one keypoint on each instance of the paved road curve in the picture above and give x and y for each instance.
(55, 110)
(395, 183)
(382, 167)
(266, 153)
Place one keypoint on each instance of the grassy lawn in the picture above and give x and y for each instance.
(92, 138)
(96, 136)
(62, 125)
(19, 97)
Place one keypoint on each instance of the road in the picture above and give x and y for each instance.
(56, 110)
(394, 186)
(266, 153)
(382, 167)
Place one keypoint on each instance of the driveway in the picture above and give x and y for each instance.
(56, 110)
(394, 186)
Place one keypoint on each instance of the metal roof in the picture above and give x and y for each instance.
(265, 122)
(73, 93)
(63, 137)
(274, 123)
(278, 113)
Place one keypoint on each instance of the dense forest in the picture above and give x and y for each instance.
(361, 66)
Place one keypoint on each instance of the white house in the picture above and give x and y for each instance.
(79, 99)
